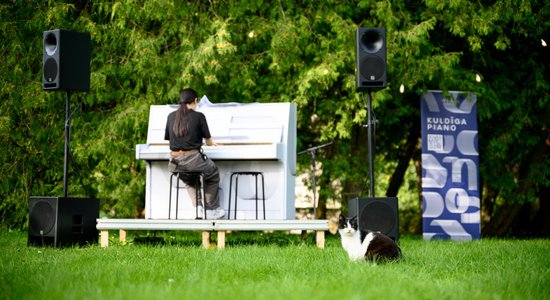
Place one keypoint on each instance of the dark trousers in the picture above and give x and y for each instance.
(194, 162)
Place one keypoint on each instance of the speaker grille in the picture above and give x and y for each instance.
(372, 67)
(42, 218)
(50, 70)
(378, 216)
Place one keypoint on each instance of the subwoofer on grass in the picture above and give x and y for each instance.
(62, 221)
(376, 214)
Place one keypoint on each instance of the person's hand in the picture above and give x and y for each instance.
(210, 142)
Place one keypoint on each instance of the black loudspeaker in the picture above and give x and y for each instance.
(66, 60)
(376, 214)
(61, 221)
(370, 59)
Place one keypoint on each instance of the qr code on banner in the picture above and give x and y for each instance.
(435, 142)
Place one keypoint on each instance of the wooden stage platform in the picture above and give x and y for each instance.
(208, 226)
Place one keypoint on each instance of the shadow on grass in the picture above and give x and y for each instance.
(233, 239)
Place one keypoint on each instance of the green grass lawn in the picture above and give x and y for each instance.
(272, 266)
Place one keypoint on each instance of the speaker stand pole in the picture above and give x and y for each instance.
(314, 186)
(370, 124)
(67, 142)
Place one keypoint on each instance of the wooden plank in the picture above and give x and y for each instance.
(104, 238)
(253, 225)
(221, 240)
(206, 239)
(210, 225)
(206, 226)
(320, 239)
(122, 236)
(154, 224)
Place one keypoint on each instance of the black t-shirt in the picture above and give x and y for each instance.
(198, 129)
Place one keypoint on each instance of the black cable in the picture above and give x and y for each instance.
(372, 122)
(87, 191)
(362, 192)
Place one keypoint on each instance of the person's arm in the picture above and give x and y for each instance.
(167, 131)
(206, 131)
(210, 142)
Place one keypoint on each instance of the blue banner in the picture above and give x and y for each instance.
(450, 160)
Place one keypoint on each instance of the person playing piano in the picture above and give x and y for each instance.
(185, 129)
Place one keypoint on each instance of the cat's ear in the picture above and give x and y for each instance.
(342, 218)
(354, 218)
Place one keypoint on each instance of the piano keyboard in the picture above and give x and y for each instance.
(222, 152)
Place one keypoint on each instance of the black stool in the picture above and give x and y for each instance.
(237, 174)
(198, 179)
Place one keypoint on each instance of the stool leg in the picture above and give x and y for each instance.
(236, 193)
(170, 196)
(256, 186)
(177, 193)
(263, 192)
(229, 205)
(203, 196)
(197, 201)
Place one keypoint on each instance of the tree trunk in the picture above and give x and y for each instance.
(324, 182)
(418, 167)
(518, 219)
(500, 224)
(541, 221)
(488, 199)
(404, 158)
(358, 148)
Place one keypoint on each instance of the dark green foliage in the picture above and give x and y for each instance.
(144, 52)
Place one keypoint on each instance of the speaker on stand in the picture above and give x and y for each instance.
(64, 221)
(61, 221)
(370, 59)
(376, 214)
(66, 60)
(373, 214)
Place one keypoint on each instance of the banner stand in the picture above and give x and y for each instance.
(450, 163)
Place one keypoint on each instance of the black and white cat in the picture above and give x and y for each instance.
(369, 245)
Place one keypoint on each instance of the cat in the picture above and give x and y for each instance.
(366, 245)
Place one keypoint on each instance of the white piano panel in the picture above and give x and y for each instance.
(252, 123)
(276, 188)
(244, 124)
(218, 123)
(157, 123)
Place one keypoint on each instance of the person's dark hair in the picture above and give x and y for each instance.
(181, 123)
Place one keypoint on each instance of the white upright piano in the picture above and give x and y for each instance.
(251, 137)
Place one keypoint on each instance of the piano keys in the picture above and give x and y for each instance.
(251, 137)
